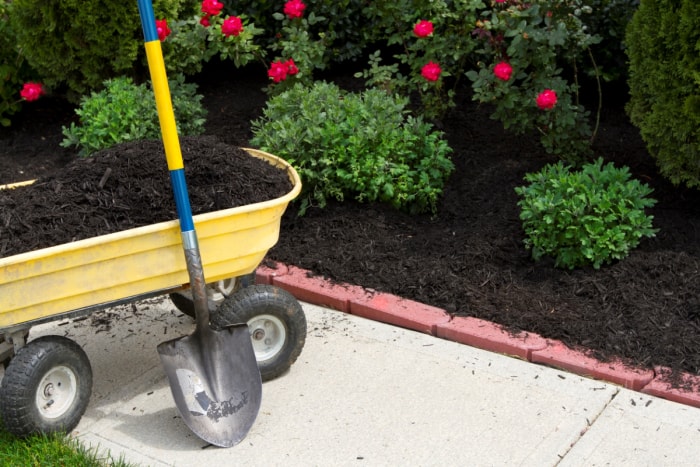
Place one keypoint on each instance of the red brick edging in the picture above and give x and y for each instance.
(475, 332)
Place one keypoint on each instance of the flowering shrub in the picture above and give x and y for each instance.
(297, 47)
(527, 42)
(342, 31)
(586, 217)
(355, 145)
(124, 111)
(432, 42)
(197, 39)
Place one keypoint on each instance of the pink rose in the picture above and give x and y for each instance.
(503, 71)
(423, 28)
(211, 7)
(291, 67)
(431, 71)
(500, 1)
(278, 71)
(232, 26)
(294, 9)
(205, 21)
(162, 29)
(547, 99)
(31, 91)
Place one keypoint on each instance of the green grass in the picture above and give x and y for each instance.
(51, 450)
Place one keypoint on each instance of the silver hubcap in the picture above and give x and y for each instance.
(268, 334)
(56, 392)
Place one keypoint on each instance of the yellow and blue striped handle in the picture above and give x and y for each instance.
(173, 154)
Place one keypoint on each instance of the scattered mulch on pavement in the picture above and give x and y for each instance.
(469, 258)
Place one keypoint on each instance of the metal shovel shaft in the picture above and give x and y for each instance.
(213, 374)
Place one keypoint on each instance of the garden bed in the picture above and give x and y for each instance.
(468, 259)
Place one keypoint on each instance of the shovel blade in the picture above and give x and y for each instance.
(215, 381)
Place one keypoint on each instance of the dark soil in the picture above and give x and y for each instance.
(468, 259)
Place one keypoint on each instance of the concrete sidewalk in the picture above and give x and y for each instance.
(367, 393)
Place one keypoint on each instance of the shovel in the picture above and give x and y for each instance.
(213, 374)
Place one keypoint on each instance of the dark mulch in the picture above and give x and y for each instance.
(468, 259)
(128, 186)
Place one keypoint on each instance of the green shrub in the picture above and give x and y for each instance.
(360, 145)
(590, 216)
(124, 111)
(663, 41)
(79, 44)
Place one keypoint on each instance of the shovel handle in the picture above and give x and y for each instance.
(173, 155)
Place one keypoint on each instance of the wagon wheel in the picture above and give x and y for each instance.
(46, 387)
(216, 293)
(276, 322)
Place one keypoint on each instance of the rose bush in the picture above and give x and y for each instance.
(535, 38)
(420, 32)
(196, 40)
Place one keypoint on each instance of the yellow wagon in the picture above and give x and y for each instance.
(78, 278)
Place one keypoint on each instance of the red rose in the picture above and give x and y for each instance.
(278, 71)
(423, 28)
(431, 71)
(31, 91)
(205, 21)
(163, 29)
(503, 71)
(291, 67)
(294, 9)
(211, 7)
(547, 99)
(232, 26)
(500, 1)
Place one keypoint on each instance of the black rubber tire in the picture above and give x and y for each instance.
(265, 305)
(186, 305)
(54, 356)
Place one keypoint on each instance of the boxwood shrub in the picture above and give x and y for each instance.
(584, 217)
(361, 145)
